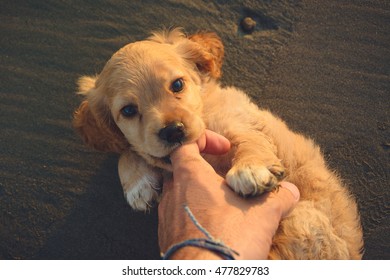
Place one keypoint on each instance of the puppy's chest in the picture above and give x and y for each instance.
(220, 163)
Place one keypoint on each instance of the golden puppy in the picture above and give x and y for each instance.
(156, 94)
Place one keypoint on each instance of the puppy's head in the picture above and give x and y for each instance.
(149, 95)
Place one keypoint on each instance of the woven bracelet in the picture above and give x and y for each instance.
(209, 243)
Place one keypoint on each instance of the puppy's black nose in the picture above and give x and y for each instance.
(173, 132)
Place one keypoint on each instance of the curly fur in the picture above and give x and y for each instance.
(324, 225)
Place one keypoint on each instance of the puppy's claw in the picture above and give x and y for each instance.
(278, 170)
(254, 180)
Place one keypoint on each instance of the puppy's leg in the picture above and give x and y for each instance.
(307, 234)
(255, 166)
(139, 180)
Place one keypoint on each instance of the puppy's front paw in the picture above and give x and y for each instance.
(143, 193)
(250, 180)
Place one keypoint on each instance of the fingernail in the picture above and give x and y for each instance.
(292, 188)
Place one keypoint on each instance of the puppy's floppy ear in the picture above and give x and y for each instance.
(205, 49)
(212, 44)
(85, 84)
(93, 121)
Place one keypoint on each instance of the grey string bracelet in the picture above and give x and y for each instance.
(209, 243)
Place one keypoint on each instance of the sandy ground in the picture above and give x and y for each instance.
(323, 66)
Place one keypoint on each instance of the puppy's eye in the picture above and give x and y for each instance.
(129, 110)
(177, 85)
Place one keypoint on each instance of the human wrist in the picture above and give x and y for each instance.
(198, 243)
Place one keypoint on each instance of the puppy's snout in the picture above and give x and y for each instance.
(173, 132)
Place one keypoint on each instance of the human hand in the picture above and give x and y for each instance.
(245, 225)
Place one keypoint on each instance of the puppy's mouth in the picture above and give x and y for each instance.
(172, 136)
(166, 159)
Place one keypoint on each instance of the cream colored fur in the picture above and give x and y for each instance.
(324, 225)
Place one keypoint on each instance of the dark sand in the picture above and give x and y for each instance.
(323, 66)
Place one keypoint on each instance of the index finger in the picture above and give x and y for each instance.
(213, 143)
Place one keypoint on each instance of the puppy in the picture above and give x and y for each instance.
(157, 94)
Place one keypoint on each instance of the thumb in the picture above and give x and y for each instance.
(289, 195)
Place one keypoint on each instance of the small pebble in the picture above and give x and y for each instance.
(248, 24)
